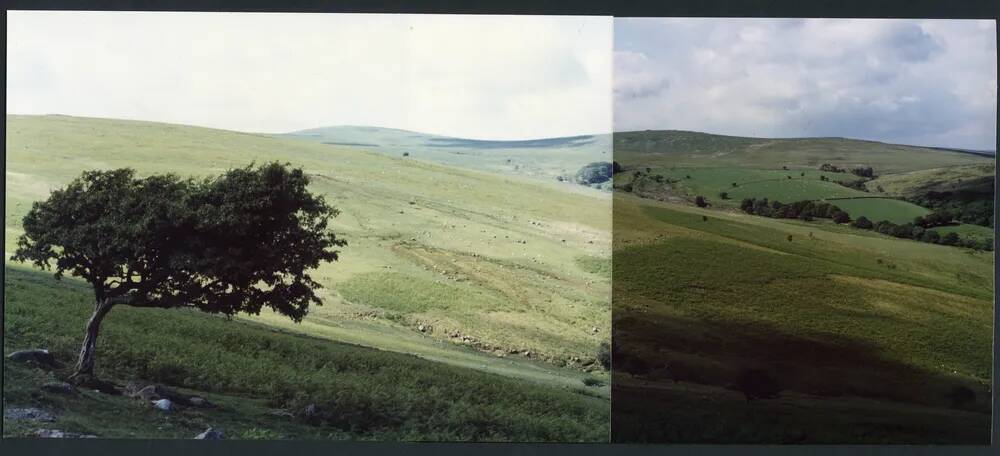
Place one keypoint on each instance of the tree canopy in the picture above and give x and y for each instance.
(226, 244)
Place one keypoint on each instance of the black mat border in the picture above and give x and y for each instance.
(942, 9)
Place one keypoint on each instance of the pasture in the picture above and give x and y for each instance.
(867, 334)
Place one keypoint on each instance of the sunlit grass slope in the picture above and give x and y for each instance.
(249, 371)
(489, 262)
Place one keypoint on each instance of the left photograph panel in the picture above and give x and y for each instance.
(307, 226)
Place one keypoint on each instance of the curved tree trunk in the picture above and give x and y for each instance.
(85, 364)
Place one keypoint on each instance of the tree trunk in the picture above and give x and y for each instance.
(85, 364)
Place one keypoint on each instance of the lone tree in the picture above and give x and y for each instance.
(700, 201)
(227, 244)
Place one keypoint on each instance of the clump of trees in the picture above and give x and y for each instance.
(866, 172)
(856, 184)
(966, 207)
(802, 210)
(920, 230)
(831, 168)
(229, 244)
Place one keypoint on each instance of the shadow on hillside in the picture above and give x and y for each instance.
(835, 389)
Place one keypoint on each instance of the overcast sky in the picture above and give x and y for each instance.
(927, 82)
(491, 77)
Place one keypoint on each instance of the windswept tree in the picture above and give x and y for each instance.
(230, 244)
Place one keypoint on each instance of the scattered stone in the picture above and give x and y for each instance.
(57, 434)
(594, 330)
(422, 328)
(164, 404)
(281, 412)
(527, 353)
(40, 357)
(198, 401)
(59, 388)
(29, 413)
(209, 434)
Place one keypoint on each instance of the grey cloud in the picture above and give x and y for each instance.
(906, 81)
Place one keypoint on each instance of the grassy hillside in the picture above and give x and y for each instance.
(977, 178)
(678, 166)
(495, 269)
(544, 159)
(250, 370)
(867, 334)
(686, 149)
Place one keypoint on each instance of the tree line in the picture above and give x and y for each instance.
(919, 230)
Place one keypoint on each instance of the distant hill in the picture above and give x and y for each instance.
(688, 148)
(544, 158)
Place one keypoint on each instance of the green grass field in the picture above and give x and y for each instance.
(876, 209)
(870, 331)
(488, 264)
(249, 369)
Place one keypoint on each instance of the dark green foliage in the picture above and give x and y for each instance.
(171, 242)
(862, 223)
(802, 210)
(930, 236)
(700, 201)
(724, 195)
(866, 172)
(594, 173)
(627, 187)
(974, 207)
(950, 238)
(229, 244)
(407, 154)
(831, 168)
(855, 184)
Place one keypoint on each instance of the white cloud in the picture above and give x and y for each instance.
(908, 81)
(470, 76)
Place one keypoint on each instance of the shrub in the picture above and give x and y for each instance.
(841, 217)
(700, 201)
(724, 195)
(862, 223)
(591, 381)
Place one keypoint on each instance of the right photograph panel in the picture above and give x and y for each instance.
(803, 230)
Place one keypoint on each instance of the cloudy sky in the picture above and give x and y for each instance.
(926, 82)
(490, 77)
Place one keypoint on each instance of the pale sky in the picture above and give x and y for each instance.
(924, 82)
(487, 77)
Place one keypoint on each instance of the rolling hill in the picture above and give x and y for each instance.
(687, 148)
(866, 336)
(498, 274)
(544, 159)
